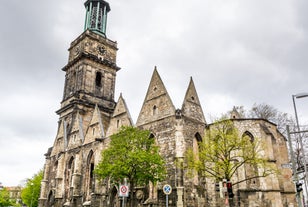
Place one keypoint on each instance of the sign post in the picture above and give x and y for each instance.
(123, 192)
(167, 190)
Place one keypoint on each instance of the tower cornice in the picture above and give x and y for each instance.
(79, 102)
(91, 57)
(94, 36)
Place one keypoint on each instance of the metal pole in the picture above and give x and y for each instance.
(302, 148)
(166, 200)
(295, 176)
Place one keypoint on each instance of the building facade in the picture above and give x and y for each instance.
(89, 115)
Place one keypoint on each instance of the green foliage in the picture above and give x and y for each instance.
(31, 192)
(132, 154)
(223, 152)
(5, 198)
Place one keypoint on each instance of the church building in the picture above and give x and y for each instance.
(89, 115)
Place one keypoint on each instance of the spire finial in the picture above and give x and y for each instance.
(96, 16)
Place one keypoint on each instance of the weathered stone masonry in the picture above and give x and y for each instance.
(89, 115)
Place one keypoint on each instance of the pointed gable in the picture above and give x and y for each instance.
(157, 103)
(77, 124)
(59, 143)
(76, 136)
(96, 127)
(235, 114)
(121, 117)
(191, 107)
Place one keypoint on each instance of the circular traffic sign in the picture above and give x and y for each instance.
(123, 189)
(167, 189)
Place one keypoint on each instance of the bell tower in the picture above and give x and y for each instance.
(86, 109)
(91, 69)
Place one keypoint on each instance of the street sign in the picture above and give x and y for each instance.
(286, 165)
(167, 189)
(123, 191)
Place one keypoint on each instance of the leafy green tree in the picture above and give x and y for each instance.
(5, 198)
(31, 192)
(133, 155)
(223, 152)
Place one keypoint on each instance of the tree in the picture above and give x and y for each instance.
(223, 152)
(31, 192)
(5, 198)
(132, 154)
(281, 119)
(263, 111)
(268, 112)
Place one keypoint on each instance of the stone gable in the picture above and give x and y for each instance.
(88, 116)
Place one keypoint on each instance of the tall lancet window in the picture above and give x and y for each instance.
(69, 177)
(90, 181)
(251, 170)
(98, 79)
(196, 147)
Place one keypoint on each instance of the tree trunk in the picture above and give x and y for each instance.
(131, 193)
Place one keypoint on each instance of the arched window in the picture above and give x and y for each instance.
(152, 136)
(196, 142)
(152, 190)
(251, 170)
(114, 197)
(98, 79)
(154, 110)
(196, 147)
(90, 180)
(198, 137)
(69, 176)
(51, 198)
(67, 129)
(118, 123)
(249, 135)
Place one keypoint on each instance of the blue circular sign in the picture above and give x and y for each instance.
(167, 189)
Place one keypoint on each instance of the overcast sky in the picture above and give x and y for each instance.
(239, 52)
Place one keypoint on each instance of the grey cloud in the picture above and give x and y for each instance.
(238, 53)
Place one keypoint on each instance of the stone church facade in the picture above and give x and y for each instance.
(89, 115)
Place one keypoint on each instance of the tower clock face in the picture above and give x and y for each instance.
(101, 50)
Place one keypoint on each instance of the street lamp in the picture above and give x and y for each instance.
(297, 96)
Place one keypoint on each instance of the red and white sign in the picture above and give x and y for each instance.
(123, 191)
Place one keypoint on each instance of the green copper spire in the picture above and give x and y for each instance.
(96, 16)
